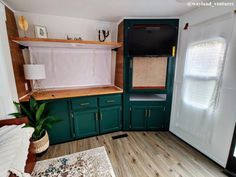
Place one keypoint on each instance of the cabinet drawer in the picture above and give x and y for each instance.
(108, 100)
(86, 102)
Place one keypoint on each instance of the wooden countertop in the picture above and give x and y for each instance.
(70, 93)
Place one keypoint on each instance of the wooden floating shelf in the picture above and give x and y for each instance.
(39, 42)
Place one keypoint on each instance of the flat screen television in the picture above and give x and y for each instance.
(152, 40)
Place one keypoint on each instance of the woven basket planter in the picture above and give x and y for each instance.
(40, 145)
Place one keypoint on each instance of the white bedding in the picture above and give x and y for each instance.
(14, 145)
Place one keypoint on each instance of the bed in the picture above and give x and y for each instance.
(14, 143)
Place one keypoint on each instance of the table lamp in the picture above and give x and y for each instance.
(34, 72)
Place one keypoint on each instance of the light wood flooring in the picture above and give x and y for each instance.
(145, 154)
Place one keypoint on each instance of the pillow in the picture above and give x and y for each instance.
(20, 159)
(14, 145)
(10, 141)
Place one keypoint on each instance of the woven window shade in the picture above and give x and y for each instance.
(149, 72)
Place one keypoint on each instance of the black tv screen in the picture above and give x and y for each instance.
(153, 40)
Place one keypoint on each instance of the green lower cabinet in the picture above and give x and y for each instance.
(138, 117)
(86, 123)
(110, 119)
(147, 118)
(84, 117)
(155, 118)
(61, 131)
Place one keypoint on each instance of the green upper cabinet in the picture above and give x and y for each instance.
(155, 118)
(110, 119)
(138, 117)
(61, 131)
(86, 123)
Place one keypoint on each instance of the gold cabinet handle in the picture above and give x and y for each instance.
(84, 104)
(101, 115)
(110, 101)
(96, 116)
(149, 113)
(146, 112)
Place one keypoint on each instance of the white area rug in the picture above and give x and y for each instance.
(90, 163)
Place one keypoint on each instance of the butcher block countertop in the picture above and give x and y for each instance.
(71, 93)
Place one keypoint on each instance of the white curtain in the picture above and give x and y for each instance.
(67, 67)
(200, 88)
(8, 92)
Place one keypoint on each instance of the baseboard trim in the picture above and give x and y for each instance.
(197, 150)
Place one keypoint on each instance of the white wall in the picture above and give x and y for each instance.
(59, 27)
(8, 91)
(218, 149)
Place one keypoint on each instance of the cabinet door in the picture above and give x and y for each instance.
(60, 131)
(86, 123)
(155, 118)
(138, 117)
(110, 119)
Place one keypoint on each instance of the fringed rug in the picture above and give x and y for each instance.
(90, 163)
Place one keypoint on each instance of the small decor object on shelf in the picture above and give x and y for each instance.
(40, 120)
(103, 34)
(73, 37)
(23, 24)
(40, 31)
(69, 38)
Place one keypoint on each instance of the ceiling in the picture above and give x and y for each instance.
(107, 10)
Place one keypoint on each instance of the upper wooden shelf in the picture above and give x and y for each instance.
(71, 93)
(38, 42)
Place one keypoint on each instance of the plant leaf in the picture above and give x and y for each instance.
(40, 111)
(17, 105)
(30, 116)
(33, 103)
(16, 114)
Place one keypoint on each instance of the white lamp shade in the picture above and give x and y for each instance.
(34, 72)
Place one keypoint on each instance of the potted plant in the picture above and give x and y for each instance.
(39, 119)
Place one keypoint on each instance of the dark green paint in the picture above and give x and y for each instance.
(110, 119)
(86, 123)
(127, 117)
(84, 103)
(147, 117)
(156, 116)
(109, 100)
(138, 118)
(61, 131)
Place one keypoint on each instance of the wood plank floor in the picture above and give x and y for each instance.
(145, 154)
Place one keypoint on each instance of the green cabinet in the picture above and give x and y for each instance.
(96, 115)
(84, 103)
(147, 117)
(155, 117)
(138, 117)
(84, 116)
(109, 100)
(110, 119)
(61, 131)
(86, 123)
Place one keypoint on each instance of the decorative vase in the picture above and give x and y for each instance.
(40, 145)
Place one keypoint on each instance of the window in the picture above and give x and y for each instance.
(204, 66)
